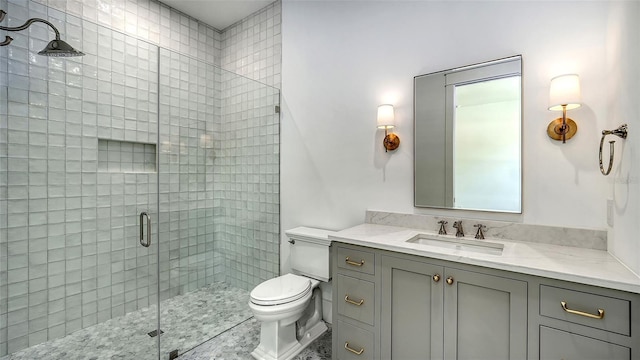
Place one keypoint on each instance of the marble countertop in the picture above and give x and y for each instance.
(581, 265)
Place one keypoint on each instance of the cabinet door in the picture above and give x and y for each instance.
(485, 316)
(411, 310)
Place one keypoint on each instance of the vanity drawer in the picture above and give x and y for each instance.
(356, 260)
(353, 343)
(584, 308)
(558, 344)
(356, 299)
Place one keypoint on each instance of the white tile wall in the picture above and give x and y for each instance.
(253, 46)
(69, 256)
(247, 168)
(247, 182)
(3, 196)
(189, 112)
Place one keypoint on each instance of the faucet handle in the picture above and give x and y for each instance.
(442, 230)
(459, 228)
(480, 232)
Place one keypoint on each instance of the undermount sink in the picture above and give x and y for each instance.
(458, 244)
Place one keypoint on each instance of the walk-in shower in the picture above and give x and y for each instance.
(133, 134)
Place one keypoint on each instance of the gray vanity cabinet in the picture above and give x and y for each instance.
(394, 306)
(437, 312)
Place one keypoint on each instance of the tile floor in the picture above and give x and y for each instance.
(217, 312)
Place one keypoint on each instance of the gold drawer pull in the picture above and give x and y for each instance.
(576, 312)
(357, 352)
(353, 262)
(356, 303)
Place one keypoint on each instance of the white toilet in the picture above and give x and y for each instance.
(290, 306)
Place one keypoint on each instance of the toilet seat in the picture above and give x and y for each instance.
(281, 290)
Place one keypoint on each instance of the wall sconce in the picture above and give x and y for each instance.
(386, 121)
(564, 94)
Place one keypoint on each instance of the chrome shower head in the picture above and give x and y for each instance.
(55, 47)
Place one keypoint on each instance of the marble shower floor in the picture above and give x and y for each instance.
(187, 321)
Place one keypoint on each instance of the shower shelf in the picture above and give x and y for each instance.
(126, 156)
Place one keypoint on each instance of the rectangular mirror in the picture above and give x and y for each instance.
(468, 137)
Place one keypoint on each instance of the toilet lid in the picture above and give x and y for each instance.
(281, 290)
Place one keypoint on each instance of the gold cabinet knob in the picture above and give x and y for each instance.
(449, 280)
(436, 277)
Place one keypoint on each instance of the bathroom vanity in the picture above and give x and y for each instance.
(401, 293)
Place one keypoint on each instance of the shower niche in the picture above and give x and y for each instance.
(126, 156)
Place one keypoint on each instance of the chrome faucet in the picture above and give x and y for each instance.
(459, 229)
(442, 230)
(480, 232)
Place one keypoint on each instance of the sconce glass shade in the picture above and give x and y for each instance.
(386, 118)
(565, 90)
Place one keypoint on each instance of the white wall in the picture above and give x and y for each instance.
(341, 59)
(623, 78)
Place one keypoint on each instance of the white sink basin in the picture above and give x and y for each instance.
(440, 243)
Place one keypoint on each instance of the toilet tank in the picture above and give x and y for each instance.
(310, 252)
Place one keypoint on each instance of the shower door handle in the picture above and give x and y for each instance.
(142, 242)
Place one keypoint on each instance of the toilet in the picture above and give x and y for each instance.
(289, 307)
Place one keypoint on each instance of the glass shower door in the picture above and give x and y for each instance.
(78, 166)
(218, 198)
(189, 107)
(126, 128)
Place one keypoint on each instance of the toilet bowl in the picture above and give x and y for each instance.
(281, 299)
(289, 307)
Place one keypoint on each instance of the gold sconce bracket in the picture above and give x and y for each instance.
(391, 141)
(555, 130)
